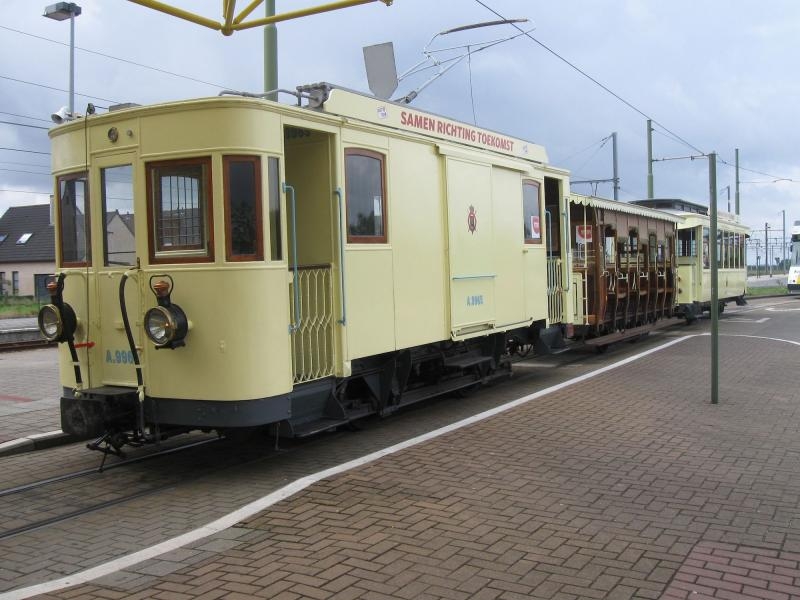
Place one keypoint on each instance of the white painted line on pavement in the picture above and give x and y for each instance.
(298, 485)
(738, 320)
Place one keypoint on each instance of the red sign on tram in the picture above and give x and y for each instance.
(583, 234)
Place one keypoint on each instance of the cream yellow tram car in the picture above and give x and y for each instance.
(230, 262)
(694, 256)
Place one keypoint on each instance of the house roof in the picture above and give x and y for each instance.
(19, 221)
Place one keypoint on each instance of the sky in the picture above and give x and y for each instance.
(713, 75)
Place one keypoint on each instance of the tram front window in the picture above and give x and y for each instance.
(73, 223)
(179, 198)
(118, 228)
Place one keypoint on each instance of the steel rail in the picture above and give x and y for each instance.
(66, 477)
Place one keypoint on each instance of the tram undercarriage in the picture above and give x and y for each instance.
(380, 385)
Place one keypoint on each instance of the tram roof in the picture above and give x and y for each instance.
(624, 207)
(329, 99)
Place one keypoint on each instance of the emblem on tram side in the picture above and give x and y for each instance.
(472, 220)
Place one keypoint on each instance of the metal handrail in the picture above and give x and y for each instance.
(343, 320)
(298, 316)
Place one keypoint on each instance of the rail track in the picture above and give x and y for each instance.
(21, 338)
(29, 507)
(10, 346)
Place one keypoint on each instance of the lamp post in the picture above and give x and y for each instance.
(60, 11)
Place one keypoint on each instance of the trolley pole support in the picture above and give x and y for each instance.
(649, 158)
(714, 249)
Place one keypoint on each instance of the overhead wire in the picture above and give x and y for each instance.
(24, 116)
(24, 125)
(117, 58)
(671, 133)
(22, 150)
(589, 147)
(50, 87)
(590, 78)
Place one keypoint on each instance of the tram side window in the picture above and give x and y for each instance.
(244, 238)
(610, 247)
(652, 242)
(366, 197)
(531, 212)
(275, 240)
(73, 221)
(179, 201)
(687, 245)
(706, 255)
(119, 238)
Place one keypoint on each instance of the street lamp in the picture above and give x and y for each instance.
(61, 11)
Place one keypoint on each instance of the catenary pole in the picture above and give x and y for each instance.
(783, 243)
(270, 52)
(737, 181)
(713, 250)
(649, 158)
(616, 164)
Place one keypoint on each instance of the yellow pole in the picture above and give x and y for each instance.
(304, 13)
(228, 7)
(177, 12)
(247, 10)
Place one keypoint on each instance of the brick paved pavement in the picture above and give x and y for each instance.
(29, 392)
(629, 485)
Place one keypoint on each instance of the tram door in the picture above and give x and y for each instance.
(471, 243)
(118, 230)
(311, 217)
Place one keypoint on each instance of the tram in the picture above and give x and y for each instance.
(693, 256)
(234, 262)
(793, 280)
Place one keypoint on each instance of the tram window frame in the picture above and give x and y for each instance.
(253, 206)
(188, 253)
(609, 247)
(687, 242)
(379, 237)
(528, 214)
(633, 241)
(63, 182)
(652, 243)
(104, 197)
(706, 248)
(275, 219)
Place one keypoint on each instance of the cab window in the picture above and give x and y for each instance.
(366, 197)
(119, 238)
(179, 206)
(244, 239)
(531, 211)
(73, 220)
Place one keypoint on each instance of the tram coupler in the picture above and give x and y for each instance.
(114, 441)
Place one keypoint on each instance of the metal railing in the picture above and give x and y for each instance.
(312, 339)
(555, 287)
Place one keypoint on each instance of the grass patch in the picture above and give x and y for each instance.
(18, 307)
(768, 290)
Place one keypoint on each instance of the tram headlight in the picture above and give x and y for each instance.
(166, 326)
(57, 324)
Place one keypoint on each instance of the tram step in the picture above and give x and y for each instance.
(309, 429)
(464, 362)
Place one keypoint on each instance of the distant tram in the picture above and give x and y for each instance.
(793, 280)
(233, 262)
